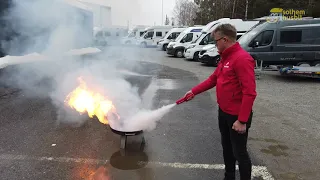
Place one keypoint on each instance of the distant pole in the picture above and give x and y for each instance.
(162, 14)
(100, 12)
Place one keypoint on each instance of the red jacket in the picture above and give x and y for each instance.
(234, 79)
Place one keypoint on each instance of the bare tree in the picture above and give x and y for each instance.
(167, 22)
(172, 21)
(185, 12)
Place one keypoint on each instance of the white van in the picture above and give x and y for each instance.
(209, 53)
(192, 52)
(189, 35)
(153, 35)
(134, 34)
(170, 36)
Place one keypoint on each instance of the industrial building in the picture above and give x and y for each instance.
(101, 13)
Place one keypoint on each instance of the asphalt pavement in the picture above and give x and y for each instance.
(184, 145)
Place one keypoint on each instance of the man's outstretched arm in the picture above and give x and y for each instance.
(206, 84)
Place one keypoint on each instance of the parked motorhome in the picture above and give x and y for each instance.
(134, 34)
(189, 35)
(152, 35)
(287, 42)
(192, 52)
(170, 36)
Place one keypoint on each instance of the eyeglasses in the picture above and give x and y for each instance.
(218, 39)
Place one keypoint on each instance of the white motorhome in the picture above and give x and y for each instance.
(170, 36)
(188, 36)
(134, 34)
(152, 35)
(192, 52)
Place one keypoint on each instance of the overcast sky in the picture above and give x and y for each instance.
(138, 12)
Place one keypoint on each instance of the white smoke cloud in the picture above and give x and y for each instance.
(51, 28)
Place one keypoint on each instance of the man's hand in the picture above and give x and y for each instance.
(189, 95)
(239, 127)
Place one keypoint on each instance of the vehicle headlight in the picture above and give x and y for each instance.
(212, 50)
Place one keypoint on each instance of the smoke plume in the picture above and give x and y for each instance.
(45, 31)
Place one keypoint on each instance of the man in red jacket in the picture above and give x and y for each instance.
(234, 79)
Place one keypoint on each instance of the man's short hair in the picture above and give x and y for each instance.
(227, 30)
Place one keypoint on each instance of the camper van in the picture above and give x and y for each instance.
(133, 35)
(189, 35)
(209, 54)
(152, 35)
(170, 36)
(192, 52)
(286, 42)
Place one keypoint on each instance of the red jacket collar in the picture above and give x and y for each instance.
(229, 50)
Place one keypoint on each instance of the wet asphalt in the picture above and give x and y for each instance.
(33, 147)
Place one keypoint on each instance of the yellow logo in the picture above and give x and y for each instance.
(279, 14)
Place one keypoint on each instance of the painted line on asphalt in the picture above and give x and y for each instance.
(257, 171)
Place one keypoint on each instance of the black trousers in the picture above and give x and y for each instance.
(234, 147)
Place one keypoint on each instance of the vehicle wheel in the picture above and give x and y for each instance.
(196, 56)
(203, 58)
(215, 61)
(303, 64)
(164, 47)
(317, 64)
(179, 53)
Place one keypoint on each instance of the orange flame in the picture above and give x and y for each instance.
(84, 100)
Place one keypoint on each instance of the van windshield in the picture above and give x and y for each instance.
(181, 35)
(143, 34)
(198, 40)
(132, 34)
(247, 37)
(173, 35)
(200, 37)
(148, 34)
(251, 33)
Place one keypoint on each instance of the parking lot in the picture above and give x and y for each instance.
(186, 143)
(285, 130)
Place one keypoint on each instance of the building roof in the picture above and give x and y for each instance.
(78, 4)
(96, 2)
